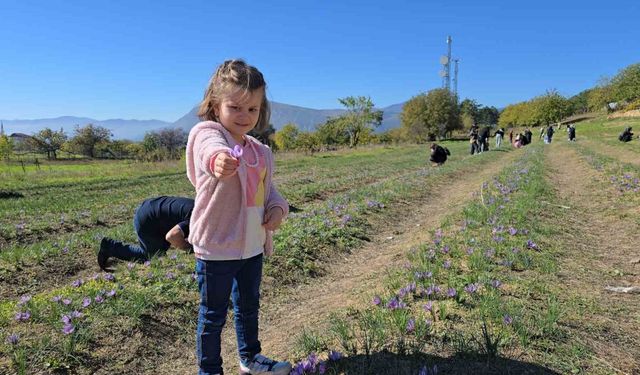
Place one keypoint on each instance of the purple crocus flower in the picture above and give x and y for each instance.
(24, 299)
(173, 257)
(147, 263)
(56, 298)
(109, 277)
(77, 283)
(446, 264)
(532, 245)
(13, 339)
(470, 251)
(411, 325)
(170, 276)
(471, 288)
(334, 356)
(66, 319)
(131, 266)
(507, 319)
(496, 283)
(68, 329)
(451, 292)
(23, 316)
(498, 238)
(377, 301)
(111, 293)
(322, 368)
(86, 301)
(513, 231)
(236, 152)
(99, 298)
(428, 306)
(66, 301)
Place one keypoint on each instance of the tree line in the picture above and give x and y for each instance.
(622, 92)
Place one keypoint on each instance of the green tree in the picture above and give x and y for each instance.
(625, 86)
(49, 141)
(287, 137)
(488, 116)
(333, 132)
(469, 110)
(308, 141)
(550, 108)
(360, 117)
(88, 137)
(426, 116)
(6, 147)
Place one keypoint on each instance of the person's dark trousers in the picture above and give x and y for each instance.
(151, 242)
(216, 281)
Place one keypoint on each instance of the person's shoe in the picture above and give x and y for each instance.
(264, 366)
(103, 254)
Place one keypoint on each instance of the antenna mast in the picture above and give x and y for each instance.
(455, 77)
(445, 73)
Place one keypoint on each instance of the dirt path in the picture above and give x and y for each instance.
(359, 275)
(599, 242)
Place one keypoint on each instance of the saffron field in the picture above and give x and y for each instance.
(493, 263)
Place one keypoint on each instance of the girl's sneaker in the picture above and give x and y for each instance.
(261, 365)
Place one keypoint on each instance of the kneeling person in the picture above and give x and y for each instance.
(160, 223)
(438, 154)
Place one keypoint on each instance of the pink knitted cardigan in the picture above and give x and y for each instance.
(219, 217)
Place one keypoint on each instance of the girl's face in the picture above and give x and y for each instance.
(239, 113)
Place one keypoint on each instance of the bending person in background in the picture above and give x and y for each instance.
(438, 154)
(626, 135)
(160, 223)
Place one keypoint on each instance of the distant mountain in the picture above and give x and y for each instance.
(305, 118)
(121, 129)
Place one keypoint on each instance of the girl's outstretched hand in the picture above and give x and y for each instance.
(273, 218)
(225, 165)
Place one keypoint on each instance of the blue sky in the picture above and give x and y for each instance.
(144, 59)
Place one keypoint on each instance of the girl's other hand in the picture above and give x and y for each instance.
(273, 218)
(225, 165)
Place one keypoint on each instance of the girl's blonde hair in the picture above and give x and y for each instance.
(234, 76)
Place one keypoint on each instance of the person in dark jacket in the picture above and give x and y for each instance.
(526, 139)
(572, 133)
(626, 135)
(160, 223)
(438, 154)
(483, 138)
(549, 136)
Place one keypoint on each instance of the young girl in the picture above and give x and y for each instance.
(236, 209)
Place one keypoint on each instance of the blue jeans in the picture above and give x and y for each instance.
(216, 281)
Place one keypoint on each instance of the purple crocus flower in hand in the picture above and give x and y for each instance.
(236, 152)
